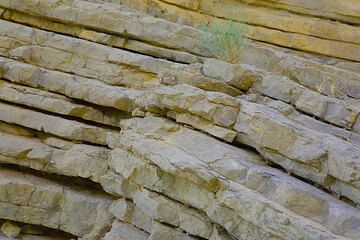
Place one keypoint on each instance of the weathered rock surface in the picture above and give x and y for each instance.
(10, 229)
(274, 26)
(115, 123)
(42, 202)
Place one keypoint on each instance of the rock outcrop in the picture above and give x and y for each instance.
(116, 123)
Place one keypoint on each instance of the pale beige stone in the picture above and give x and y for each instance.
(234, 75)
(57, 104)
(329, 78)
(199, 123)
(159, 178)
(122, 231)
(193, 5)
(282, 20)
(249, 170)
(54, 155)
(161, 231)
(339, 112)
(167, 165)
(316, 149)
(282, 227)
(299, 38)
(122, 210)
(10, 229)
(346, 11)
(128, 212)
(46, 203)
(117, 185)
(165, 210)
(112, 18)
(69, 129)
(72, 86)
(303, 119)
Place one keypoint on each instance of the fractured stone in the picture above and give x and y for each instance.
(46, 203)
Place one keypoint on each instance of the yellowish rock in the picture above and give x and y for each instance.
(10, 229)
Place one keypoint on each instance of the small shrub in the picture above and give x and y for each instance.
(225, 40)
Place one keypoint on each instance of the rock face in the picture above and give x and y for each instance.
(116, 123)
(10, 229)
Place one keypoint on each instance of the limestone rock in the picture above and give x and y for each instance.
(130, 213)
(116, 123)
(249, 170)
(148, 28)
(298, 37)
(124, 231)
(162, 231)
(235, 75)
(336, 10)
(165, 210)
(46, 203)
(51, 124)
(54, 155)
(220, 234)
(10, 229)
(317, 149)
(336, 111)
(57, 103)
(303, 119)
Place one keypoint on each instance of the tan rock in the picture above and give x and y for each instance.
(303, 119)
(248, 169)
(161, 231)
(166, 210)
(124, 231)
(281, 20)
(46, 203)
(357, 125)
(57, 104)
(316, 149)
(109, 65)
(130, 213)
(117, 185)
(148, 28)
(255, 226)
(289, 39)
(328, 79)
(346, 11)
(54, 155)
(233, 74)
(193, 5)
(166, 165)
(10, 229)
(122, 210)
(220, 234)
(198, 102)
(159, 178)
(72, 86)
(69, 129)
(338, 112)
(202, 124)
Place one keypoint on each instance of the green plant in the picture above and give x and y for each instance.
(225, 39)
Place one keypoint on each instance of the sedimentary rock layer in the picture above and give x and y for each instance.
(115, 123)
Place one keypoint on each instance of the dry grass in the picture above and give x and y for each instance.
(225, 39)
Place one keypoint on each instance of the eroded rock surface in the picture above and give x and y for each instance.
(116, 123)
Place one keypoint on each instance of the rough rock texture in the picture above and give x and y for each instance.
(115, 123)
(10, 229)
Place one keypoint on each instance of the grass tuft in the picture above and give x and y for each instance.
(225, 39)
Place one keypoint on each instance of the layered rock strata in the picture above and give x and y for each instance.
(115, 123)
